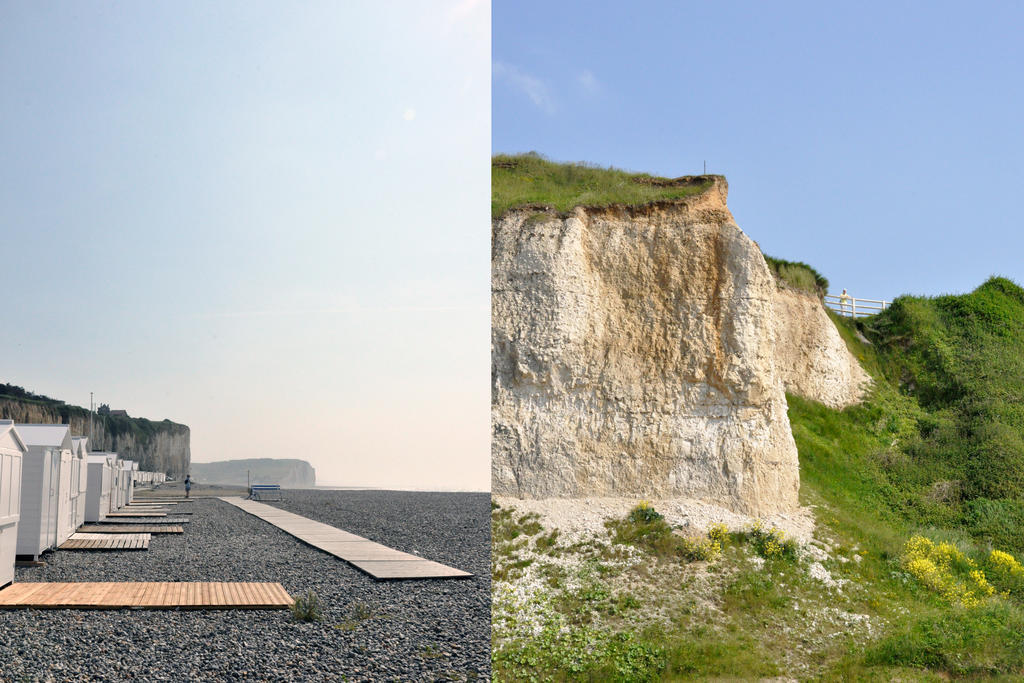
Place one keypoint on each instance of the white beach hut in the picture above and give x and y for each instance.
(45, 488)
(12, 452)
(130, 467)
(115, 501)
(119, 474)
(100, 487)
(80, 467)
(119, 494)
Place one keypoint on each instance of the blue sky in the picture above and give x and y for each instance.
(881, 143)
(265, 220)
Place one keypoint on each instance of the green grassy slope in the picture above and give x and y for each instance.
(950, 371)
(936, 450)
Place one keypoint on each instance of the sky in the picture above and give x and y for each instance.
(264, 220)
(881, 143)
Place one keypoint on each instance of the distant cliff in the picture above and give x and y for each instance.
(289, 473)
(157, 446)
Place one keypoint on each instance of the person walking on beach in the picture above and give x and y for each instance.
(188, 480)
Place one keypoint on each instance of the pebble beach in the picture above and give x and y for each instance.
(416, 630)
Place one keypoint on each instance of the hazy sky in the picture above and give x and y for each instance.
(266, 220)
(882, 143)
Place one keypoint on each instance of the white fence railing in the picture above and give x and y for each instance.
(853, 307)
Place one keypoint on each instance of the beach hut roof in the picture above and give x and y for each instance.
(55, 436)
(8, 431)
(80, 446)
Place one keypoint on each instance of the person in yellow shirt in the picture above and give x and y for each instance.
(844, 302)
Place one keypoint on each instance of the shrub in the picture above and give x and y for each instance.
(1006, 572)
(770, 544)
(938, 566)
(998, 522)
(644, 514)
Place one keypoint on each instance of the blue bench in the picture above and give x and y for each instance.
(261, 491)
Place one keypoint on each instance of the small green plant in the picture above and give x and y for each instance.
(307, 607)
(644, 514)
(431, 651)
(546, 542)
(358, 612)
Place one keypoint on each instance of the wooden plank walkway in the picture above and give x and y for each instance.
(379, 561)
(150, 512)
(155, 501)
(145, 595)
(101, 528)
(92, 541)
(136, 514)
(148, 520)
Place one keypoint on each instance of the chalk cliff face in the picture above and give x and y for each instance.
(810, 356)
(633, 353)
(156, 446)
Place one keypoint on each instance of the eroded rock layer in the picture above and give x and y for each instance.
(811, 357)
(633, 354)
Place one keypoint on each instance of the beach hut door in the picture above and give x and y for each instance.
(54, 484)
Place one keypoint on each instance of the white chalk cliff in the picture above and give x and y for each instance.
(634, 352)
(810, 356)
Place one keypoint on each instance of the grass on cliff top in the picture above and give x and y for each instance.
(525, 179)
(798, 275)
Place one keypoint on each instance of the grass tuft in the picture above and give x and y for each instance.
(307, 607)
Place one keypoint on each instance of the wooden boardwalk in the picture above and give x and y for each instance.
(139, 595)
(148, 520)
(154, 512)
(93, 541)
(120, 513)
(379, 561)
(157, 502)
(101, 528)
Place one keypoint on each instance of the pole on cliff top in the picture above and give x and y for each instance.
(705, 167)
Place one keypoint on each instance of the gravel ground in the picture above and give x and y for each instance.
(579, 519)
(395, 630)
